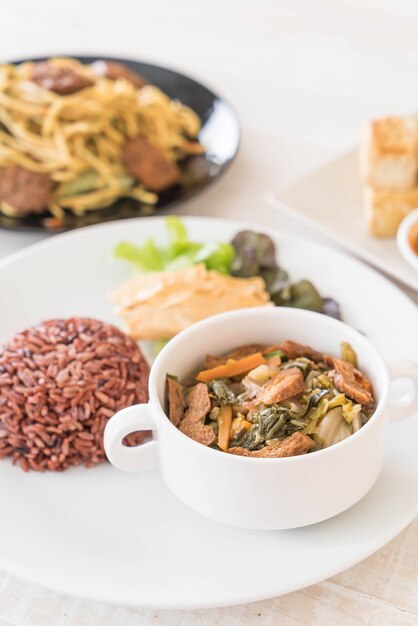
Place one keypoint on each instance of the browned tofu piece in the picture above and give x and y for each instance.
(198, 406)
(385, 210)
(389, 153)
(286, 384)
(198, 403)
(176, 401)
(350, 380)
(294, 350)
(198, 432)
(294, 445)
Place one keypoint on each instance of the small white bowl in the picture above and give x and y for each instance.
(260, 493)
(403, 241)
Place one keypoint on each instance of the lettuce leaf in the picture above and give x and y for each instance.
(178, 253)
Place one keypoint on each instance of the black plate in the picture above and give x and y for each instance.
(219, 134)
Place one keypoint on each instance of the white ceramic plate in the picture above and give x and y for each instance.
(330, 200)
(123, 538)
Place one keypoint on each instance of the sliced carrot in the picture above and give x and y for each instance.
(232, 368)
(225, 422)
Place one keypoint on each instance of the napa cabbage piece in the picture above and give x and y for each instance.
(333, 428)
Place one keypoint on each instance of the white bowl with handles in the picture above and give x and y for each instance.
(261, 493)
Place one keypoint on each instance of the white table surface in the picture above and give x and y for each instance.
(303, 76)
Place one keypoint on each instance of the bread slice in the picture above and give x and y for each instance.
(389, 153)
(386, 209)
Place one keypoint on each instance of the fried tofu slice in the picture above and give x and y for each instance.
(176, 401)
(286, 384)
(349, 380)
(293, 350)
(296, 444)
(385, 210)
(198, 406)
(389, 153)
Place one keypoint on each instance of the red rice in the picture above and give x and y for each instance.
(60, 382)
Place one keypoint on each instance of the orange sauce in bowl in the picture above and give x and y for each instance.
(413, 237)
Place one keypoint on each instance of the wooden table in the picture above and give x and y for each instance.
(303, 76)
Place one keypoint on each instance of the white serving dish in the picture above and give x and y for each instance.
(82, 533)
(330, 200)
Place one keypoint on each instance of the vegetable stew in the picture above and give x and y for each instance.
(272, 401)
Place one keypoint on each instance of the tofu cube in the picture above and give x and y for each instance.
(389, 153)
(385, 210)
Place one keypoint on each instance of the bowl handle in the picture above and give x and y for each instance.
(124, 422)
(407, 405)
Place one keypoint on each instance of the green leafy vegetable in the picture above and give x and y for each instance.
(147, 257)
(255, 255)
(176, 229)
(221, 389)
(178, 253)
(271, 422)
(249, 254)
(227, 392)
(301, 295)
(279, 353)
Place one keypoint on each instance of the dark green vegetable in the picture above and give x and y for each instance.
(255, 255)
(254, 252)
(222, 391)
(227, 392)
(301, 295)
(272, 422)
